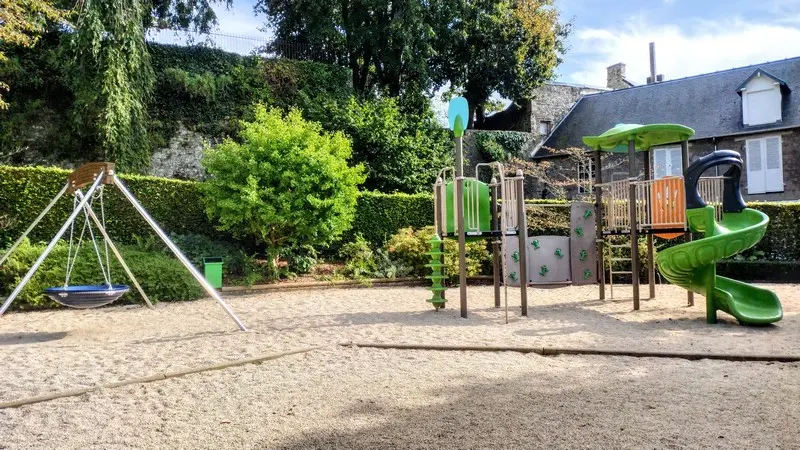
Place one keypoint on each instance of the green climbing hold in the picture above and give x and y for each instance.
(436, 275)
(587, 214)
(579, 231)
(515, 256)
(535, 244)
(513, 276)
(559, 253)
(583, 254)
(587, 274)
(543, 270)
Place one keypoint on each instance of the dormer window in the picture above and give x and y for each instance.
(762, 94)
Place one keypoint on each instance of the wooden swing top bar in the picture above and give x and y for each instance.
(85, 175)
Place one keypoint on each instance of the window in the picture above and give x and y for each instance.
(761, 100)
(585, 175)
(764, 165)
(667, 162)
(544, 127)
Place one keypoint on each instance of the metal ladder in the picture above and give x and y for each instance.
(612, 260)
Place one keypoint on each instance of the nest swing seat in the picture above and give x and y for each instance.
(95, 177)
(87, 296)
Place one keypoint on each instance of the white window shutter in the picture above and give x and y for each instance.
(756, 180)
(676, 162)
(659, 163)
(773, 172)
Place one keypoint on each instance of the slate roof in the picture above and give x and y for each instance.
(708, 103)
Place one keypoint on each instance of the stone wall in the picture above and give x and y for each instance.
(551, 102)
(181, 158)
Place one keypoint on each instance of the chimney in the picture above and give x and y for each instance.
(653, 78)
(615, 78)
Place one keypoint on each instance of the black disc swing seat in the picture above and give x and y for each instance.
(87, 296)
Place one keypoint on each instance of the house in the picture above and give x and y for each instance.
(754, 110)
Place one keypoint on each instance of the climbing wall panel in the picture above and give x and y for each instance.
(548, 259)
(583, 248)
(511, 261)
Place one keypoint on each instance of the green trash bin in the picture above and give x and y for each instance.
(213, 271)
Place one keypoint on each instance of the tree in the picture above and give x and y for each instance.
(113, 79)
(183, 14)
(21, 23)
(287, 184)
(386, 43)
(504, 46)
(402, 150)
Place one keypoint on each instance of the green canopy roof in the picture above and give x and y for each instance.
(646, 136)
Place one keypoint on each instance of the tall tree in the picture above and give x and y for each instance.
(386, 43)
(21, 23)
(113, 79)
(504, 46)
(197, 15)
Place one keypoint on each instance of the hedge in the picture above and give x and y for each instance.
(25, 191)
(175, 205)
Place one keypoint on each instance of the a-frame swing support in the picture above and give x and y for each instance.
(105, 174)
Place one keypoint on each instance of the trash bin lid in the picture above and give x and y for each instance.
(212, 260)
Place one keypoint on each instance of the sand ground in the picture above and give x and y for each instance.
(339, 397)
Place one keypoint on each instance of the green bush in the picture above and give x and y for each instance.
(411, 246)
(163, 278)
(288, 184)
(403, 152)
(502, 145)
(362, 262)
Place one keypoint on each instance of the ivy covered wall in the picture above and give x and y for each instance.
(200, 93)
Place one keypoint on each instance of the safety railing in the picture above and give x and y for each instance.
(659, 203)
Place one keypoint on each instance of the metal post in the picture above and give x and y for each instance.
(77, 211)
(651, 264)
(115, 251)
(181, 257)
(634, 231)
(687, 236)
(459, 157)
(523, 242)
(598, 217)
(36, 221)
(462, 244)
(495, 244)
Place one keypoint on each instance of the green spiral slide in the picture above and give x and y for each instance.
(692, 265)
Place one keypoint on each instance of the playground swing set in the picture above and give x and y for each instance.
(97, 176)
(469, 209)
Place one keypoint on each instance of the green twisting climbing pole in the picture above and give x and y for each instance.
(436, 275)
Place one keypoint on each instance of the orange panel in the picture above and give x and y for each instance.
(668, 202)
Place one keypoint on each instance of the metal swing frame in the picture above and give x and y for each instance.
(95, 174)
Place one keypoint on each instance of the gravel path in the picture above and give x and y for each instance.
(364, 398)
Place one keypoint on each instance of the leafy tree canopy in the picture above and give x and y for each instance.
(197, 15)
(385, 43)
(21, 23)
(113, 79)
(504, 46)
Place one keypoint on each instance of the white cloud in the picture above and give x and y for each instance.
(699, 47)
